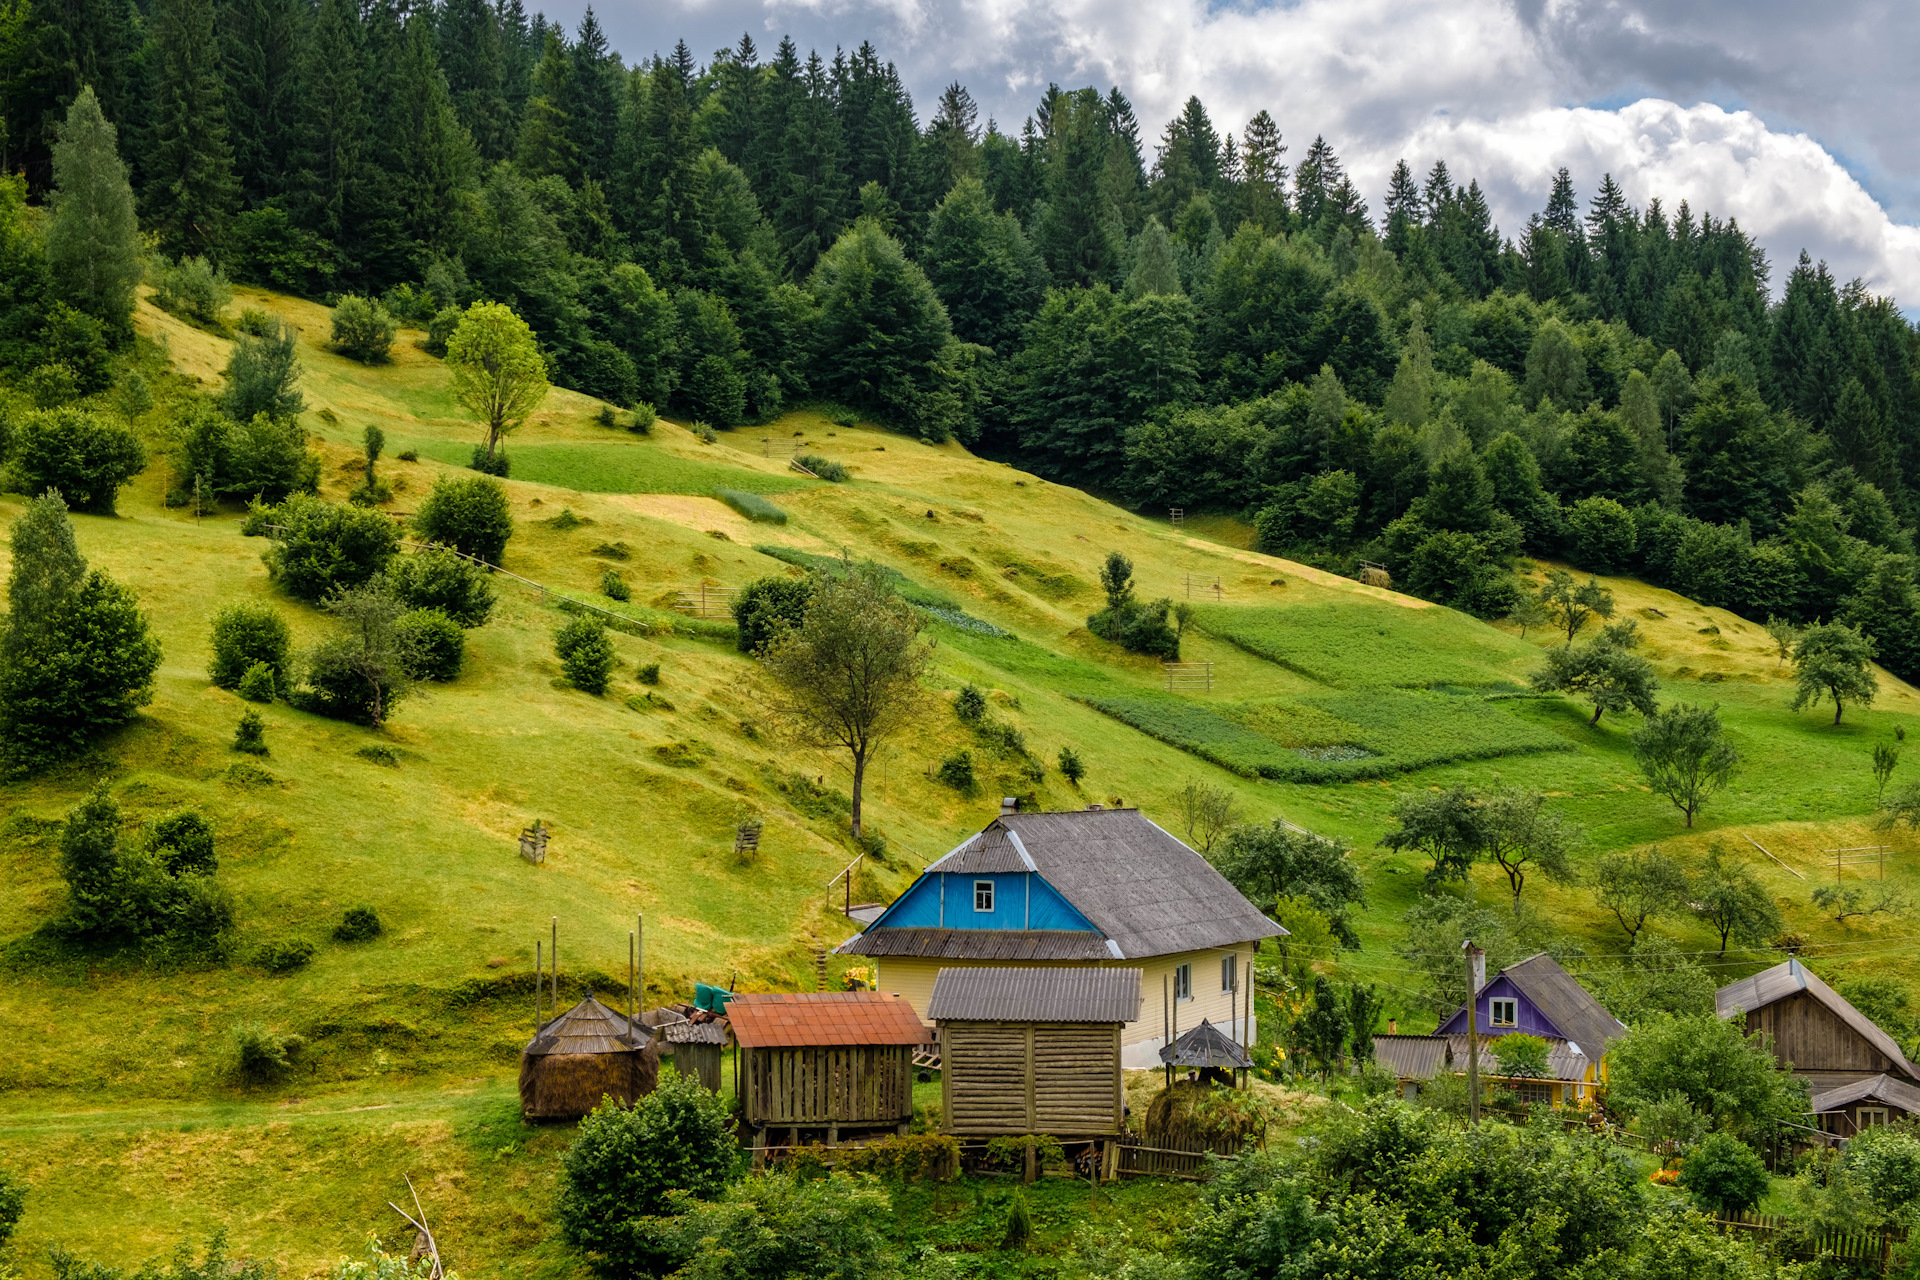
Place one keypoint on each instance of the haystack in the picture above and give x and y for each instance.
(587, 1053)
(1194, 1116)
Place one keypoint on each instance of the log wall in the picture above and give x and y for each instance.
(1025, 1077)
(846, 1085)
(1810, 1037)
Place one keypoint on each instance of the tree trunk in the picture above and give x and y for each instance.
(1596, 717)
(859, 777)
(1836, 708)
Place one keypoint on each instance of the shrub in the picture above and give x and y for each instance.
(246, 636)
(752, 506)
(362, 329)
(259, 456)
(650, 674)
(1603, 535)
(254, 322)
(135, 396)
(1139, 628)
(957, 772)
(374, 753)
(1723, 1175)
(470, 514)
(357, 924)
(1072, 768)
(825, 468)
(1521, 1055)
(250, 735)
(716, 390)
(970, 705)
(440, 328)
(489, 464)
(408, 455)
(766, 607)
(87, 456)
(284, 956)
(435, 644)
(321, 547)
(705, 433)
(436, 578)
(585, 653)
(628, 1162)
(13, 1204)
(613, 586)
(261, 1056)
(607, 416)
(183, 841)
(193, 290)
(263, 372)
(641, 417)
(258, 684)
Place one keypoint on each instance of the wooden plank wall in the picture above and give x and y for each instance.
(847, 1085)
(1808, 1035)
(1022, 1077)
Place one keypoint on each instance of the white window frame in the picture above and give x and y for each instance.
(1183, 982)
(983, 892)
(1230, 973)
(1510, 1004)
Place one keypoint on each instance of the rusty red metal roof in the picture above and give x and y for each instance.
(779, 1020)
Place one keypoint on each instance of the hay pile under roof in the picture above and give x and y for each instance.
(588, 1053)
(1205, 1046)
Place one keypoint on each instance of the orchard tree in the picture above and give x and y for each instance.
(1572, 603)
(1522, 834)
(1606, 672)
(1685, 755)
(1270, 862)
(1732, 901)
(1639, 884)
(1834, 660)
(1447, 826)
(93, 239)
(498, 372)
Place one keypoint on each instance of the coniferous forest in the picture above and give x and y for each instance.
(1212, 318)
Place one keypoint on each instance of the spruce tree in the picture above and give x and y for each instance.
(333, 123)
(741, 93)
(93, 239)
(812, 196)
(593, 106)
(1264, 185)
(474, 56)
(260, 50)
(546, 144)
(190, 184)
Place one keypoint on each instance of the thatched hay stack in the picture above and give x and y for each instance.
(1205, 1117)
(587, 1053)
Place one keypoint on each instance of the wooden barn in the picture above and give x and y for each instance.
(1033, 1050)
(578, 1057)
(1816, 1033)
(1848, 1109)
(820, 1063)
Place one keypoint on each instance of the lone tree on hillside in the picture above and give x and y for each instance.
(849, 674)
(498, 373)
(1448, 826)
(1206, 811)
(1605, 670)
(1638, 885)
(1834, 661)
(1685, 754)
(1573, 604)
(93, 240)
(1732, 901)
(1522, 834)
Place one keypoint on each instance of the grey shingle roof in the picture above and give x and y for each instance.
(1142, 888)
(989, 852)
(1569, 1006)
(589, 1027)
(1885, 1089)
(1205, 1046)
(1411, 1057)
(1035, 995)
(1792, 977)
(978, 944)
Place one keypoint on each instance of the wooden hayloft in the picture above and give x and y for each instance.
(588, 1053)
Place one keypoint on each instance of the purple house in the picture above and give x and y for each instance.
(1535, 997)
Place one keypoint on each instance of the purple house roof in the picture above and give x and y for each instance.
(1548, 1002)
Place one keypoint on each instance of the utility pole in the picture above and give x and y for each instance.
(1476, 969)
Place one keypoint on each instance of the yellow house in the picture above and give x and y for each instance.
(1090, 888)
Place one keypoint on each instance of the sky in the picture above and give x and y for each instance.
(1793, 118)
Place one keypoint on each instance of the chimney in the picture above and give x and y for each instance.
(1009, 805)
(1093, 808)
(1393, 1026)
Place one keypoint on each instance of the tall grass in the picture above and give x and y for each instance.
(1358, 645)
(752, 506)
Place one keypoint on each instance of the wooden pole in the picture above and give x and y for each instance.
(1166, 1013)
(553, 959)
(539, 978)
(1473, 1033)
(639, 951)
(632, 947)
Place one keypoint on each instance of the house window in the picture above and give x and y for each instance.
(1503, 1013)
(1871, 1116)
(983, 895)
(1183, 982)
(1230, 973)
(1532, 1091)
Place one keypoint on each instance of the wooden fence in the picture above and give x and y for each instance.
(1187, 675)
(1874, 1247)
(1185, 1160)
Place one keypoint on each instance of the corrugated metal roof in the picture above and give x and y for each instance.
(1424, 1057)
(1561, 999)
(988, 853)
(978, 944)
(589, 1027)
(767, 1020)
(1895, 1093)
(1205, 1046)
(1035, 995)
(1783, 980)
(1411, 1057)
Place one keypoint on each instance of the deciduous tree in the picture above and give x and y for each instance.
(1685, 755)
(1834, 660)
(498, 372)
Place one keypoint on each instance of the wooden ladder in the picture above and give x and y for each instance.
(819, 966)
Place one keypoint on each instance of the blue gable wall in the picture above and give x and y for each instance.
(1532, 1022)
(1022, 900)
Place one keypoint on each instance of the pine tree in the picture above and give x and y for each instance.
(741, 94)
(1079, 236)
(546, 144)
(662, 221)
(1315, 179)
(813, 195)
(473, 55)
(430, 156)
(260, 49)
(333, 123)
(190, 182)
(593, 106)
(93, 239)
(1438, 192)
(1263, 199)
(1405, 208)
(950, 150)
(1563, 207)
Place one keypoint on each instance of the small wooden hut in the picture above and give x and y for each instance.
(1033, 1050)
(694, 1038)
(580, 1056)
(825, 1061)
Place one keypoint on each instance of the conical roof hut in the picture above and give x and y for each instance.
(580, 1056)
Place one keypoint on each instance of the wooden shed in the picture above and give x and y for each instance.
(1850, 1109)
(825, 1061)
(580, 1056)
(1815, 1031)
(1033, 1050)
(696, 1043)
(1209, 1051)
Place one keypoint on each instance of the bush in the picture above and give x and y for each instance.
(629, 1162)
(585, 653)
(825, 468)
(752, 506)
(1723, 1175)
(183, 841)
(1603, 535)
(641, 417)
(704, 433)
(957, 772)
(250, 735)
(1139, 628)
(284, 956)
(362, 329)
(357, 924)
(255, 323)
(613, 586)
(260, 1056)
(374, 753)
(124, 895)
(258, 684)
(471, 515)
(13, 1204)
(193, 290)
(260, 456)
(766, 607)
(489, 464)
(440, 328)
(435, 645)
(76, 342)
(246, 636)
(87, 456)
(263, 372)
(436, 578)
(320, 547)
(1072, 768)
(650, 674)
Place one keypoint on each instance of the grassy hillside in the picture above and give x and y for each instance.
(1330, 699)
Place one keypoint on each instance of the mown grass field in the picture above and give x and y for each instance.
(411, 1037)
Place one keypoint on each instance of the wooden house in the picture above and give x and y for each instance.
(819, 1063)
(1534, 997)
(1847, 1109)
(1088, 889)
(1815, 1032)
(1033, 1050)
(588, 1053)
